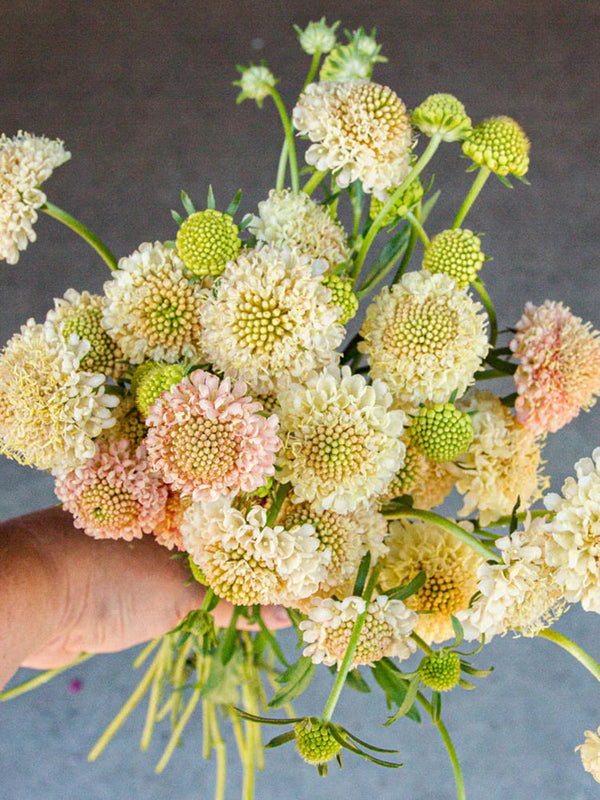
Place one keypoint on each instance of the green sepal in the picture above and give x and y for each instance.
(410, 588)
(477, 673)
(177, 217)
(409, 699)
(459, 631)
(353, 749)
(187, 203)
(503, 179)
(265, 720)
(367, 745)
(245, 222)
(235, 203)
(296, 678)
(283, 738)
(362, 574)
(210, 198)
(466, 684)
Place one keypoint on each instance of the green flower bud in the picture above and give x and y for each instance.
(342, 296)
(444, 115)
(440, 671)
(206, 240)
(317, 37)
(441, 432)
(256, 83)
(315, 742)
(456, 253)
(151, 379)
(409, 197)
(500, 144)
(353, 60)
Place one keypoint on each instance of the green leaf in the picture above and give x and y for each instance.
(277, 741)
(503, 179)
(514, 520)
(391, 680)
(353, 749)
(458, 629)
(466, 684)
(412, 587)
(361, 575)
(265, 720)
(356, 681)
(428, 206)
(366, 744)
(177, 217)
(297, 678)
(231, 637)
(436, 707)
(235, 203)
(246, 221)
(210, 198)
(477, 673)
(409, 699)
(187, 203)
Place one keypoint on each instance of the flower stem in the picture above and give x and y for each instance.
(420, 230)
(407, 256)
(421, 643)
(219, 744)
(314, 66)
(313, 181)
(447, 525)
(489, 307)
(573, 649)
(289, 138)
(477, 186)
(280, 494)
(85, 233)
(41, 679)
(283, 159)
(507, 518)
(175, 736)
(458, 778)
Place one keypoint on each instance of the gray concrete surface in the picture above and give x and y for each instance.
(140, 92)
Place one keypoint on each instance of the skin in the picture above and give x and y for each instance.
(63, 593)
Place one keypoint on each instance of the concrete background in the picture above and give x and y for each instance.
(141, 93)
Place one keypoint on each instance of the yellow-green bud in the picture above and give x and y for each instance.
(256, 83)
(317, 37)
(354, 60)
(444, 115)
(500, 144)
(151, 379)
(315, 742)
(440, 671)
(456, 253)
(441, 432)
(206, 240)
(342, 296)
(409, 197)
(104, 354)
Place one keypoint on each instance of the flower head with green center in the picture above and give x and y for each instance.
(440, 671)
(590, 754)
(441, 432)
(342, 296)
(385, 632)
(206, 240)
(442, 115)
(256, 83)
(353, 60)
(270, 320)
(559, 366)
(152, 308)
(80, 316)
(315, 742)
(409, 197)
(26, 161)
(296, 221)
(503, 462)
(342, 439)
(207, 439)
(425, 338)
(317, 37)
(456, 253)
(428, 483)
(500, 144)
(360, 131)
(449, 564)
(114, 495)
(50, 410)
(151, 379)
(247, 561)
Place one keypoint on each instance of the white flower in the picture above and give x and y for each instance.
(590, 754)
(26, 161)
(256, 83)
(317, 37)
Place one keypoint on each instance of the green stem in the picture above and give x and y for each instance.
(507, 518)
(447, 525)
(418, 228)
(85, 233)
(219, 744)
(489, 374)
(165, 655)
(283, 159)
(421, 643)
(573, 649)
(175, 736)
(40, 680)
(280, 494)
(412, 241)
(289, 137)
(313, 182)
(477, 186)
(489, 307)
(458, 778)
(314, 66)
(379, 220)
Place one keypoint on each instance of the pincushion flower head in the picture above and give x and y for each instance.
(26, 161)
(449, 564)
(559, 366)
(270, 319)
(50, 410)
(590, 754)
(152, 309)
(427, 482)
(385, 632)
(206, 240)
(360, 131)
(355, 59)
(425, 338)
(442, 115)
(247, 561)
(207, 438)
(499, 144)
(114, 495)
(342, 439)
(317, 37)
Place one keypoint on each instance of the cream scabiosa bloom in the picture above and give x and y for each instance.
(360, 131)
(590, 754)
(269, 320)
(26, 161)
(342, 440)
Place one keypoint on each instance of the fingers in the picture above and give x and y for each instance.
(274, 617)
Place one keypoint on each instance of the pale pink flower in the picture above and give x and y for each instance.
(207, 439)
(559, 366)
(114, 495)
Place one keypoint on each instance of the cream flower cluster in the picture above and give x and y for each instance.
(26, 161)
(590, 754)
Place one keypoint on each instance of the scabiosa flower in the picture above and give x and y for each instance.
(559, 366)
(80, 316)
(114, 495)
(256, 83)
(590, 754)
(50, 411)
(386, 630)
(442, 432)
(26, 161)
(207, 439)
(503, 462)
(151, 379)
(500, 144)
(457, 253)
(206, 240)
(168, 530)
(360, 131)
(425, 338)
(520, 594)
(573, 545)
(342, 439)
(440, 671)
(408, 198)
(427, 482)
(152, 308)
(128, 424)
(247, 561)
(317, 37)
(442, 115)
(342, 296)
(296, 221)
(451, 568)
(270, 320)
(353, 60)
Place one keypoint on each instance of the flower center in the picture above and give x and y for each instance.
(260, 322)
(204, 449)
(417, 329)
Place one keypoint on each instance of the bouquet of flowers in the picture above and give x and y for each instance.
(212, 399)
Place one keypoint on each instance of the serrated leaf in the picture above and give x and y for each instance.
(458, 629)
(409, 699)
(361, 575)
(412, 587)
(283, 738)
(177, 217)
(297, 678)
(235, 203)
(210, 198)
(356, 681)
(187, 203)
